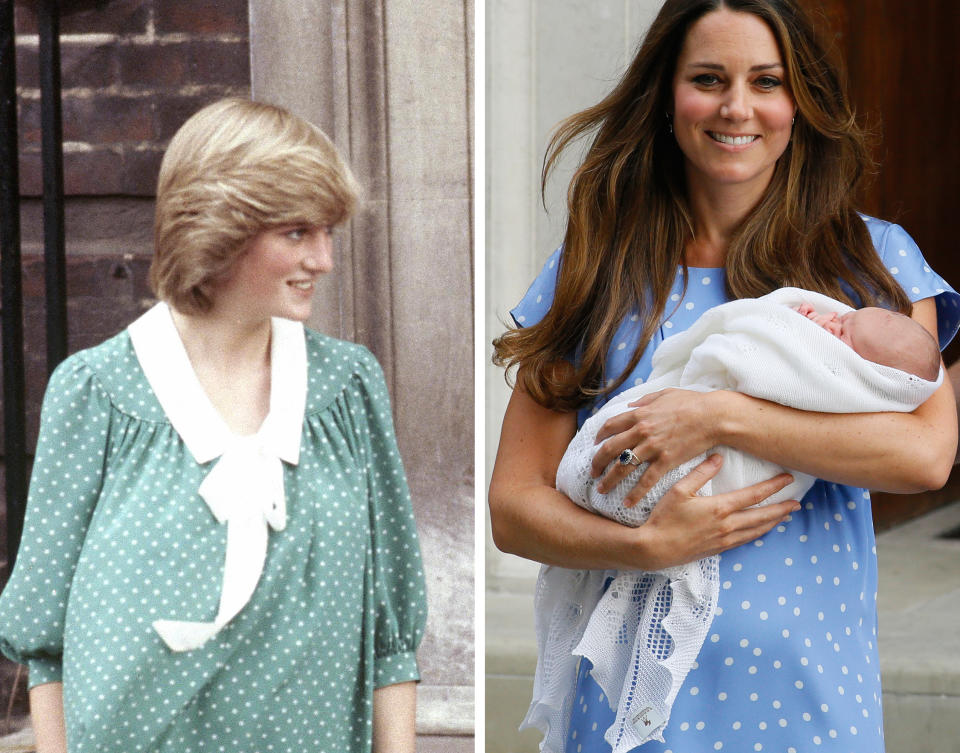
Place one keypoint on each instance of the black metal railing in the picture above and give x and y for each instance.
(14, 410)
(54, 244)
(14, 421)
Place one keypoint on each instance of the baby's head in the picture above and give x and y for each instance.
(891, 339)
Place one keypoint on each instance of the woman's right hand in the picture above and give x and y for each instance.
(684, 527)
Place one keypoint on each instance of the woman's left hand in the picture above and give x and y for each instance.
(664, 429)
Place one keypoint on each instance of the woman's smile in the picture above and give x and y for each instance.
(731, 140)
(304, 285)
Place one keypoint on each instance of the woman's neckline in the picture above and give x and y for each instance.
(205, 339)
(165, 364)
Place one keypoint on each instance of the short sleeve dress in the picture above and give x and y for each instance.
(117, 537)
(790, 664)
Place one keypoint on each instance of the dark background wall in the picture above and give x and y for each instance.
(132, 72)
(900, 56)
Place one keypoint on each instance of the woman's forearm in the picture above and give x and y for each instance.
(541, 524)
(529, 517)
(394, 718)
(893, 452)
(953, 374)
(46, 714)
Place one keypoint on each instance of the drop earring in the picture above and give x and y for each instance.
(669, 122)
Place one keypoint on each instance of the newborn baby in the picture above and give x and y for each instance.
(882, 336)
(644, 631)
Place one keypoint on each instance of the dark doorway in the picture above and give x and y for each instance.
(901, 60)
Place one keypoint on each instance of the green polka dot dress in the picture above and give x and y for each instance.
(116, 537)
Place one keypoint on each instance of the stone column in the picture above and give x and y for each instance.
(391, 83)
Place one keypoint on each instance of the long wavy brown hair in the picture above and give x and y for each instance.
(629, 219)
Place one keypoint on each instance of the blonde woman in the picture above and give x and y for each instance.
(219, 551)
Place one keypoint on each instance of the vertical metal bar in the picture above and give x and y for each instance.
(54, 248)
(14, 432)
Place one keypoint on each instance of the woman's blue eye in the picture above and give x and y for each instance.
(296, 234)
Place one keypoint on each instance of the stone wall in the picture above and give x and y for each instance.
(391, 83)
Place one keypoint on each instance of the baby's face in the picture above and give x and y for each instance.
(848, 325)
(882, 336)
(864, 329)
(853, 327)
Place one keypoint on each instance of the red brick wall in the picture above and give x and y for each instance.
(132, 72)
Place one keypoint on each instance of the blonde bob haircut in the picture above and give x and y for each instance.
(234, 169)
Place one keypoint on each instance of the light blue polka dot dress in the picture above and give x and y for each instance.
(790, 663)
(116, 536)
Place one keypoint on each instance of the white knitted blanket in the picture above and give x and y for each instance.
(643, 633)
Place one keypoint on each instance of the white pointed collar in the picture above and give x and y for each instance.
(167, 367)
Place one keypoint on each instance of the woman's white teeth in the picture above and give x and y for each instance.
(304, 285)
(735, 140)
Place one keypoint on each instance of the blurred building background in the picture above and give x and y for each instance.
(545, 60)
(391, 83)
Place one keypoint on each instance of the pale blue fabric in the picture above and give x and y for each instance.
(790, 664)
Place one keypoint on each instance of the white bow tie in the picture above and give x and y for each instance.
(245, 491)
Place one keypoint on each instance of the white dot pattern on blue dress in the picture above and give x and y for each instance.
(116, 536)
(790, 664)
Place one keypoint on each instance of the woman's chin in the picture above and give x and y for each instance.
(296, 315)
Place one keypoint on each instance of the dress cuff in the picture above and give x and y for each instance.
(393, 668)
(42, 671)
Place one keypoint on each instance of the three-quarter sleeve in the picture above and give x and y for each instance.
(65, 485)
(399, 598)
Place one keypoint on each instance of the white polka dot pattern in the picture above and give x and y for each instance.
(116, 536)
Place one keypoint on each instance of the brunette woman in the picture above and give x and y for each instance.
(723, 165)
